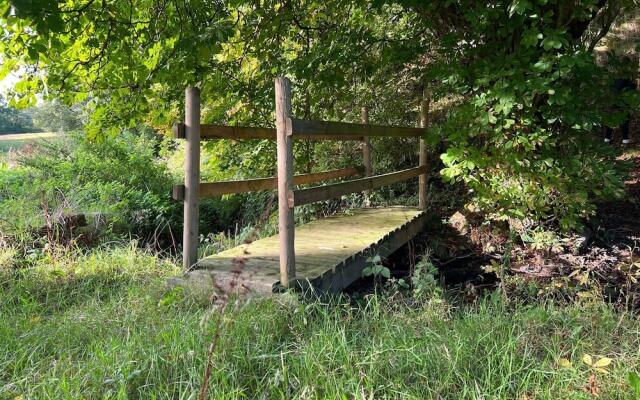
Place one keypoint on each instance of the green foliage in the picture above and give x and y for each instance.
(18, 203)
(126, 178)
(523, 140)
(118, 176)
(526, 93)
(539, 239)
(375, 268)
(424, 282)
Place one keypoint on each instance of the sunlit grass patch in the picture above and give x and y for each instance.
(16, 140)
(94, 325)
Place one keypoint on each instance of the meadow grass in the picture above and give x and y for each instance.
(101, 325)
(15, 141)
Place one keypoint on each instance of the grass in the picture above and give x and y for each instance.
(101, 325)
(17, 140)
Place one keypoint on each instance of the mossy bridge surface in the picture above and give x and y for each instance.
(330, 252)
(327, 254)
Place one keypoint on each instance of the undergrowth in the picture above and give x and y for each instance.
(101, 325)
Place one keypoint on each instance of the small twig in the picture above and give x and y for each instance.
(456, 259)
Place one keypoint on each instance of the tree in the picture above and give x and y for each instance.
(522, 137)
(525, 88)
(58, 117)
(13, 120)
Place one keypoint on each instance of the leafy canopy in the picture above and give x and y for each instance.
(524, 90)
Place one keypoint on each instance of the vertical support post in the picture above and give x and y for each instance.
(366, 151)
(191, 177)
(286, 225)
(424, 120)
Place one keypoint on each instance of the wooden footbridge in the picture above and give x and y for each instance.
(328, 254)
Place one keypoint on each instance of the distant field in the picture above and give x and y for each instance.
(16, 140)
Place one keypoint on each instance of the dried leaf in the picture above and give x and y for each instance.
(565, 363)
(603, 362)
(585, 295)
(592, 386)
(587, 360)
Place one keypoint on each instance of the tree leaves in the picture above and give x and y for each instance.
(523, 95)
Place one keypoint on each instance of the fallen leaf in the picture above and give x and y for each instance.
(603, 362)
(587, 359)
(602, 370)
(592, 386)
(565, 363)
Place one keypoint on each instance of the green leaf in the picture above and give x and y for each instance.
(551, 42)
(634, 382)
(530, 38)
(519, 7)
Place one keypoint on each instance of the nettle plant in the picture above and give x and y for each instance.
(525, 138)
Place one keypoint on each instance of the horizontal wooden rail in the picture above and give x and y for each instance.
(301, 128)
(235, 132)
(209, 132)
(213, 189)
(326, 192)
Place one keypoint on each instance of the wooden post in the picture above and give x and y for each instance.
(286, 227)
(424, 119)
(191, 177)
(366, 152)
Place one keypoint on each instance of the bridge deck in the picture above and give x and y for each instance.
(330, 252)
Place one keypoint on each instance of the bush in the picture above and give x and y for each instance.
(127, 178)
(524, 139)
(119, 177)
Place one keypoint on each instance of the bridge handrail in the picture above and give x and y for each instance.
(301, 129)
(213, 132)
(326, 192)
(213, 189)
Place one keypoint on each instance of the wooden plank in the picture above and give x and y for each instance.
(210, 132)
(304, 179)
(190, 237)
(236, 132)
(286, 224)
(422, 180)
(178, 130)
(351, 269)
(301, 128)
(212, 189)
(366, 152)
(320, 193)
(330, 253)
(252, 185)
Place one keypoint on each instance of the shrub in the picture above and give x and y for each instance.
(118, 177)
(127, 178)
(524, 139)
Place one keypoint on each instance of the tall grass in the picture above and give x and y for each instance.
(102, 325)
